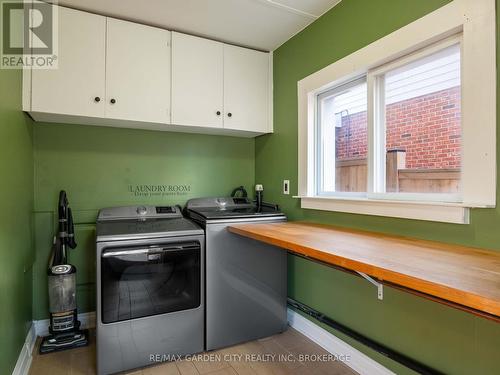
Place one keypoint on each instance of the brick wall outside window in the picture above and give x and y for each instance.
(427, 127)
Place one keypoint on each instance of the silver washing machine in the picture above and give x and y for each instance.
(246, 280)
(150, 287)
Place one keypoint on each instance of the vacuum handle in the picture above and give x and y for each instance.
(63, 204)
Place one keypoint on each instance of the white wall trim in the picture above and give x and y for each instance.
(440, 212)
(41, 328)
(25, 355)
(276, 4)
(359, 362)
(87, 320)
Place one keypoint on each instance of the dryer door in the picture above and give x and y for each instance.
(143, 281)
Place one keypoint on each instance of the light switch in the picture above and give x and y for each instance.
(286, 187)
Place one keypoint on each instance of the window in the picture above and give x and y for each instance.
(422, 124)
(405, 126)
(416, 124)
(342, 139)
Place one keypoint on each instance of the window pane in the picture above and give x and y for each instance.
(423, 125)
(342, 139)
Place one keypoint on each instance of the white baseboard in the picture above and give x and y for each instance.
(25, 355)
(87, 320)
(41, 328)
(359, 362)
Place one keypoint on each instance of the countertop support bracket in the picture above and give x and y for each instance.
(380, 286)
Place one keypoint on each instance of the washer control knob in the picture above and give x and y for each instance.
(141, 210)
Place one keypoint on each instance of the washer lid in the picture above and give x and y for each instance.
(115, 230)
(237, 213)
(229, 208)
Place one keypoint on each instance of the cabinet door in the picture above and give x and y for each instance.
(246, 89)
(197, 74)
(137, 72)
(76, 87)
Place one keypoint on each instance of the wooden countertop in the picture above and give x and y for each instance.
(465, 276)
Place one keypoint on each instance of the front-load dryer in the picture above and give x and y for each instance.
(150, 287)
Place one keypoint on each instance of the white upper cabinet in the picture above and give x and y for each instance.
(246, 89)
(118, 73)
(77, 86)
(137, 72)
(197, 76)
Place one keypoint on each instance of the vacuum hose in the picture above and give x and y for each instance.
(71, 230)
(66, 235)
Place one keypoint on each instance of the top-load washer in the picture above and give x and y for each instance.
(246, 280)
(150, 287)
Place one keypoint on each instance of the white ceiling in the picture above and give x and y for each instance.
(260, 24)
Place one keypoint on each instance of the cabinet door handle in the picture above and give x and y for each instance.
(97, 99)
(112, 101)
(229, 114)
(217, 113)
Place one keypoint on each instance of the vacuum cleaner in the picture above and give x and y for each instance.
(64, 326)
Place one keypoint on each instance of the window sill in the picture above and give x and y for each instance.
(430, 211)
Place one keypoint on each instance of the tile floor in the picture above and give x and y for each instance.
(244, 359)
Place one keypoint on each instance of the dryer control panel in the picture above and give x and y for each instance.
(139, 212)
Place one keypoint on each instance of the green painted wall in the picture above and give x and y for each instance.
(16, 208)
(447, 339)
(97, 166)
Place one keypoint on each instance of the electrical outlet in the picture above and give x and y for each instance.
(286, 187)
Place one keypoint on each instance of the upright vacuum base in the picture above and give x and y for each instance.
(63, 341)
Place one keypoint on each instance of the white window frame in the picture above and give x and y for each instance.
(377, 130)
(474, 21)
